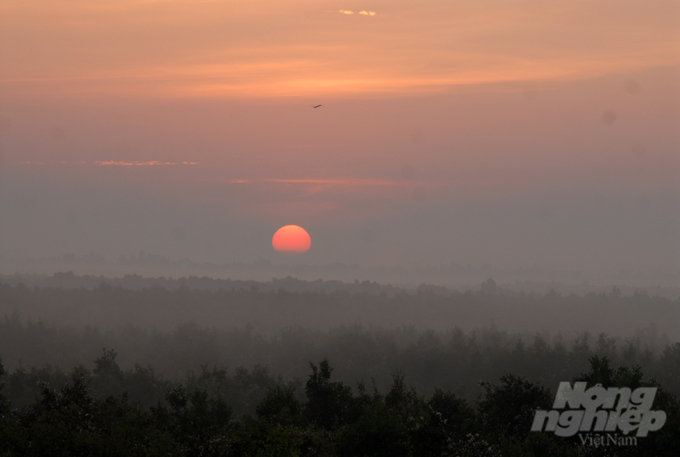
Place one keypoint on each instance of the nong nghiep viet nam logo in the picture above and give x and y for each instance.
(612, 410)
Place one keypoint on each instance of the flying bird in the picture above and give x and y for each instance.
(316, 106)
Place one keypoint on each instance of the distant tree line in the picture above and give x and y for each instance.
(176, 383)
(453, 360)
(269, 311)
(96, 413)
(70, 280)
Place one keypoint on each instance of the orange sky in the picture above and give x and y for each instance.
(254, 49)
(200, 113)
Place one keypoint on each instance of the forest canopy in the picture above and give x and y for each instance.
(364, 369)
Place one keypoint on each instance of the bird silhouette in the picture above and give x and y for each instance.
(316, 106)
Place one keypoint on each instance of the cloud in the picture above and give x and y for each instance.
(148, 163)
(449, 44)
(328, 182)
(363, 13)
(143, 164)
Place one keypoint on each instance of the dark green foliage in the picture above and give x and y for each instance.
(381, 425)
(447, 420)
(258, 438)
(244, 390)
(7, 425)
(23, 386)
(282, 442)
(73, 421)
(109, 379)
(4, 403)
(144, 386)
(281, 406)
(509, 408)
(378, 433)
(602, 373)
(198, 423)
(402, 400)
(328, 403)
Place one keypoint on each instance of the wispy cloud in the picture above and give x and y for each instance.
(363, 13)
(142, 164)
(148, 163)
(328, 182)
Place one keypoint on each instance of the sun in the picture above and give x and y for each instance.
(291, 239)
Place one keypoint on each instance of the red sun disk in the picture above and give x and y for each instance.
(291, 239)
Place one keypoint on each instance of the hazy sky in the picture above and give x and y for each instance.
(519, 133)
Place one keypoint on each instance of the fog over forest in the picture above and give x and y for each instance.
(69, 304)
(162, 303)
(246, 346)
(452, 274)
